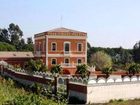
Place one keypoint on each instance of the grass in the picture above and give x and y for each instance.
(10, 94)
(122, 102)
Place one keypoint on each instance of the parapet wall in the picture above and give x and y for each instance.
(27, 78)
(89, 90)
(102, 90)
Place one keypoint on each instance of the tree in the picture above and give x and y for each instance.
(101, 60)
(134, 68)
(6, 47)
(82, 70)
(28, 47)
(21, 45)
(118, 55)
(29, 40)
(4, 35)
(16, 34)
(88, 52)
(56, 69)
(13, 35)
(36, 65)
(107, 71)
(136, 52)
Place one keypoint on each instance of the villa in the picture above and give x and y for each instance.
(62, 46)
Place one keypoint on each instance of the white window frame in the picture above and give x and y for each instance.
(67, 42)
(65, 62)
(52, 60)
(52, 46)
(78, 47)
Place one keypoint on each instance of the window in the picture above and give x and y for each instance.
(53, 61)
(53, 46)
(79, 61)
(67, 61)
(79, 46)
(67, 47)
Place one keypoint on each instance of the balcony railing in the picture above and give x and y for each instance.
(66, 52)
(69, 64)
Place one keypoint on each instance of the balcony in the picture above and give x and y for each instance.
(69, 65)
(67, 53)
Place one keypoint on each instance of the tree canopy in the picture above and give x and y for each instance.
(6, 47)
(82, 70)
(35, 65)
(13, 36)
(136, 51)
(119, 55)
(101, 60)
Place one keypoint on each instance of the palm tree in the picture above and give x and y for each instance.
(134, 68)
(82, 70)
(107, 71)
(56, 69)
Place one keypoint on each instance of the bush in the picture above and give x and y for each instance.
(6, 47)
(29, 99)
(107, 71)
(35, 65)
(56, 69)
(134, 68)
(101, 60)
(82, 70)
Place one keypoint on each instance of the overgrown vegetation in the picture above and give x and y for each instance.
(121, 58)
(14, 93)
(101, 60)
(35, 65)
(118, 55)
(56, 69)
(82, 70)
(6, 47)
(134, 68)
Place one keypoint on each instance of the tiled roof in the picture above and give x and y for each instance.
(4, 54)
(62, 29)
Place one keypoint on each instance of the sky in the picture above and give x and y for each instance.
(108, 23)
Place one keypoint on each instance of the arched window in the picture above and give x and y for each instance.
(67, 47)
(53, 46)
(79, 46)
(67, 61)
(53, 61)
(79, 61)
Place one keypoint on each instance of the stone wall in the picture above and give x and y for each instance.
(90, 90)
(103, 90)
(28, 78)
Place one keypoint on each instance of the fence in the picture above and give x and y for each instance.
(102, 90)
(29, 78)
(89, 90)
